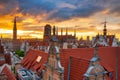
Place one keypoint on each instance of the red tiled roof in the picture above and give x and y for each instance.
(30, 62)
(78, 67)
(107, 55)
(8, 73)
(80, 60)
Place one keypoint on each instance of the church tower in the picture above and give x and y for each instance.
(14, 30)
(47, 30)
(105, 30)
(1, 47)
(16, 43)
(47, 33)
(53, 68)
(54, 30)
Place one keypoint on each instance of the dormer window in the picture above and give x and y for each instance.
(38, 59)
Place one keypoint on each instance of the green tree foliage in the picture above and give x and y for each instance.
(20, 53)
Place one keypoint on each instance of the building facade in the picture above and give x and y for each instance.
(95, 70)
(53, 68)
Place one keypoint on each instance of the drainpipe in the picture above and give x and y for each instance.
(116, 63)
(69, 68)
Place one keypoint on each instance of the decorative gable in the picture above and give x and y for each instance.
(54, 70)
(95, 70)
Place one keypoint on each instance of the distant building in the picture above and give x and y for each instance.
(5, 65)
(49, 32)
(15, 30)
(105, 39)
(16, 42)
(1, 48)
(4, 58)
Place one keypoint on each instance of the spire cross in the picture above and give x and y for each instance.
(105, 23)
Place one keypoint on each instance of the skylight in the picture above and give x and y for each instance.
(38, 59)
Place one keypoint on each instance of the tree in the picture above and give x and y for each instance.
(20, 53)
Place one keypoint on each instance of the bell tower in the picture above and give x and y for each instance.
(47, 32)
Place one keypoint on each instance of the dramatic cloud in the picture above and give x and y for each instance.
(59, 9)
(32, 14)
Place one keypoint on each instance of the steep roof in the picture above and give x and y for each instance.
(80, 60)
(30, 62)
(8, 73)
(107, 55)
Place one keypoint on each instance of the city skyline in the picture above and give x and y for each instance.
(85, 16)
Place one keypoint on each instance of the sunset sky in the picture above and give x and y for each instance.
(86, 16)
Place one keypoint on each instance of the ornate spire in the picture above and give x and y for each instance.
(105, 30)
(14, 30)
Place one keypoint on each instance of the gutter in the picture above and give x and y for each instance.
(69, 68)
(117, 63)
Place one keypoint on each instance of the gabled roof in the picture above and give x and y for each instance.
(80, 60)
(78, 67)
(107, 55)
(8, 73)
(30, 62)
